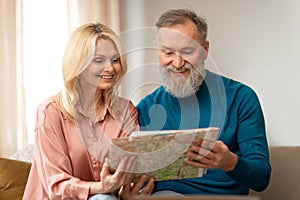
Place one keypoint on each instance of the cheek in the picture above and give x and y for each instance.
(194, 60)
(117, 69)
(164, 60)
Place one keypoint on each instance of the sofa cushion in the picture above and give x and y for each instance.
(26, 154)
(285, 161)
(13, 178)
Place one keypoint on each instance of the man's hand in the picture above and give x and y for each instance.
(132, 189)
(214, 155)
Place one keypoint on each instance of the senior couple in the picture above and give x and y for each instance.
(74, 127)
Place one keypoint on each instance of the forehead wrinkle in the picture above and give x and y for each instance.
(171, 43)
(186, 31)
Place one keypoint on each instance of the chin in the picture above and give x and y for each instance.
(105, 86)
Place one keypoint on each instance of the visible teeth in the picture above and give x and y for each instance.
(179, 70)
(106, 76)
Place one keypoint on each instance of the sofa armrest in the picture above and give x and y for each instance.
(13, 178)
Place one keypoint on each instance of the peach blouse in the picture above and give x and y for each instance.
(68, 155)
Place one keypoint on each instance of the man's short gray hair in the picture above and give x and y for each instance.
(180, 16)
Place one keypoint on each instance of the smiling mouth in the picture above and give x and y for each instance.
(178, 70)
(105, 76)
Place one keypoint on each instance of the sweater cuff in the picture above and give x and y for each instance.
(240, 168)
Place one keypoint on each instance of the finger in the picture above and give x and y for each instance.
(198, 155)
(197, 159)
(128, 177)
(124, 192)
(120, 174)
(149, 186)
(196, 163)
(127, 187)
(139, 184)
(131, 165)
(105, 169)
(193, 155)
(209, 145)
(122, 165)
(195, 148)
(204, 153)
(197, 143)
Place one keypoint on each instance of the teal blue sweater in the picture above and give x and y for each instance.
(219, 102)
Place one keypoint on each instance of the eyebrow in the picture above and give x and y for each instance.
(171, 49)
(166, 48)
(101, 55)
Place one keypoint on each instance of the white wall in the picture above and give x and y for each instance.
(256, 42)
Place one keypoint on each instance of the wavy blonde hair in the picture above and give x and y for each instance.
(78, 55)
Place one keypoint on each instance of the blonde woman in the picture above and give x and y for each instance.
(74, 128)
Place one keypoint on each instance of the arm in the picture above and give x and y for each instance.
(253, 157)
(56, 166)
(250, 160)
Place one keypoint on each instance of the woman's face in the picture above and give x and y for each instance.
(104, 67)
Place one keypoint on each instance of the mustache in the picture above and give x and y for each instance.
(185, 67)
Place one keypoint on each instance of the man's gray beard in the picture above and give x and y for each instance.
(181, 87)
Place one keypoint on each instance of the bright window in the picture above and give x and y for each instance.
(45, 33)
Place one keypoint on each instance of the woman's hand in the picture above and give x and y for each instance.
(132, 189)
(110, 182)
(215, 155)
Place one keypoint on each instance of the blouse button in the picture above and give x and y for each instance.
(94, 162)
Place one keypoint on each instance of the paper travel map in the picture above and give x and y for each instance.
(161, 153)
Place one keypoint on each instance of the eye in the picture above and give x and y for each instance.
(187, 52)
(99, 60)
(115, 60)
(167, 52)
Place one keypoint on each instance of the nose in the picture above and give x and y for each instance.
(109, 67)
(178, 61)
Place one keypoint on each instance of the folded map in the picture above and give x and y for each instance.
(162, 153)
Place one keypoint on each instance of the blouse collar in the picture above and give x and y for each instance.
(102, 111)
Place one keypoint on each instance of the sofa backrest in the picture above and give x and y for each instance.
(285, 179)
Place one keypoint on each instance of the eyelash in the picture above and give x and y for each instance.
(99, 60)
(169, 53)
(187, 52)
(114, 60)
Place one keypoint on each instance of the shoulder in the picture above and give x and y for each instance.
(48, 103)
(125, 106)
(48, 110)
(125, 110)
(156, 96)
(240, 90)
(231, 86)
(124, 103)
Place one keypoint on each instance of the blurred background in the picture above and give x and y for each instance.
(255, 42)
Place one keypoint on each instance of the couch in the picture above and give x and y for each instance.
(13, 177)
(14, 173)
(284, 185)
(285, 179)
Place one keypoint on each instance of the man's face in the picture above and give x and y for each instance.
(181, 57)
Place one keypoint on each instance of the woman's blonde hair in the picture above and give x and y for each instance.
(78, 55)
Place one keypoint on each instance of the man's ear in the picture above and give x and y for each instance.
(206, 49)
